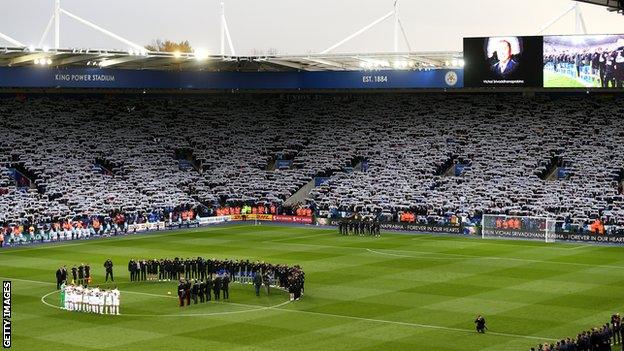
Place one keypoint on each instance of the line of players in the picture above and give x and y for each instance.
(81, 275)
(359, 227)
(201, 289)
(290, 278)
(90, 300)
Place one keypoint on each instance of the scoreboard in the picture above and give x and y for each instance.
(562, 61)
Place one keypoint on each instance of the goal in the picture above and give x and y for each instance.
(522, 227)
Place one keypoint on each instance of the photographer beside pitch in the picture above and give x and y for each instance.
(480, 324)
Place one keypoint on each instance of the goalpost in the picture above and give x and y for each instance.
(502, 226)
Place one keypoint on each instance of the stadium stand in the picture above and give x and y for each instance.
(102, 155)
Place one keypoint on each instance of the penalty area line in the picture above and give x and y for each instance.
(461, 256)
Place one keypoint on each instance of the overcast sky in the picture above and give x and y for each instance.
(297, 26)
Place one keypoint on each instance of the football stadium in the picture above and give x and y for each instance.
(171, 197)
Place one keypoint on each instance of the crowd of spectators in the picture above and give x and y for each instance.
(118, 223)
(93, 156)
(600, 338)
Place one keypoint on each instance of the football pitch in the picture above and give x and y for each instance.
(397, 292)
(557, 80)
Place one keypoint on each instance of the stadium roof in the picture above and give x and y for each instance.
(612, 5)
(73, 58)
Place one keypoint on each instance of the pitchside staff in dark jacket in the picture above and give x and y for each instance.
(257, 282)
(81, 274)
(59, 278)
(133, 268)
(143, 268)
(108, 265)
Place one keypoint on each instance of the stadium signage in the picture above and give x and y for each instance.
(84, 77)
(139, 227)
(422, 228)
(450, 78)
(40, 77)
(213, 220)
(415, 228)
(514, 233)
(6, 314)
(252, 217)
(562, 236)
(374, 79)
(292, 219)
(615, 239)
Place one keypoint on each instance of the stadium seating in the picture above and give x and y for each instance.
(507, 141)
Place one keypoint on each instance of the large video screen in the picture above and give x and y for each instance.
(503, 62)
(584, 61)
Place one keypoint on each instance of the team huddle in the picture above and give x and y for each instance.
(90, 300)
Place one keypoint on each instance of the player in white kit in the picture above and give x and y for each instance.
(115, 300)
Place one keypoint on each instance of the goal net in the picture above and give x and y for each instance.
(503, 226)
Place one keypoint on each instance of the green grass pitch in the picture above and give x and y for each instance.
(397, 292)
(556, 80)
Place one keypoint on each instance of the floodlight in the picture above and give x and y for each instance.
(201, 54)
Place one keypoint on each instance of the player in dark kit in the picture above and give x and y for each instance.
(87, 270)
(194, 291)
(208, 288)
(216, 288)
(202, 291)
(480, 324)
(225, 286)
